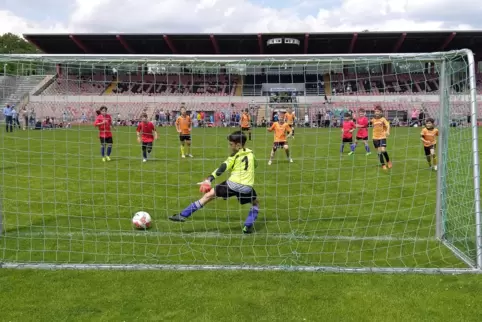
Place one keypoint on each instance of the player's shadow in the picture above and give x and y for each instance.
(228, 227)
(8, 168)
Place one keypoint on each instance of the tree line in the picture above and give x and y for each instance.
(14, 44)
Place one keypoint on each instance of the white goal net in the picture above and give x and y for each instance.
(361, 183)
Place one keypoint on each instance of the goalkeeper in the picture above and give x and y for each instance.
(241, 165)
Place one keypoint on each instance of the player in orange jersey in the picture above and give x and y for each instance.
(246, 123)
(429, 136)
(289, 118)
(184, 127)
(280, 139)
(381, 130)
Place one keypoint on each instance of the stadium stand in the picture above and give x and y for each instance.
(15, 87)
(198, 88)
(188, 85)
(221, 85)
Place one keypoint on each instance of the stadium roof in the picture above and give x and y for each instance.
(251, 44)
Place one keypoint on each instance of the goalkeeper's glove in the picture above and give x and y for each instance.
(205, 186)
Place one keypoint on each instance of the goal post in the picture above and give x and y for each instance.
(334, 208)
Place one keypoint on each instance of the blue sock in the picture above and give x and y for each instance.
(342, 147)
(109, 150)
(367, 147)
(192, 208)
(144, 153)
(253, 214)
(102, 151)
(352, 147)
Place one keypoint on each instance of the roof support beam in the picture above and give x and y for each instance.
(33, 42)
(399, 42)
(169, 44)
(260, 44)
(352, 43)
(215, 44)
(79, 44)
(448, 40)
(125, 44)
(307, 40)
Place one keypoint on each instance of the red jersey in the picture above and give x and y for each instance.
(347, 127)
(104, 128)
(147, 131)
(363, 129)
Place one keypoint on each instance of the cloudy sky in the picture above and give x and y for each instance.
(166, 16)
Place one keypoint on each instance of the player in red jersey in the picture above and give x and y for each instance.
(362, 134)
(146, 134)
(347, 133)
(104, 123)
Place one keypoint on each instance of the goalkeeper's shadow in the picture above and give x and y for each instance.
(225, 228)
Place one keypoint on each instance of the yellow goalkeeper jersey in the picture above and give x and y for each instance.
(241, 166)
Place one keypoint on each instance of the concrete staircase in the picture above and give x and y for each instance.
(13, 89)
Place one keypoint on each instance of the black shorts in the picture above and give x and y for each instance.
(347, 140)
(185, 137)
(278, 145)
(147, 144)
(222, 190)
(106, 140)
(362, 138)
(380, 143)
(244, 129)
(427, 149)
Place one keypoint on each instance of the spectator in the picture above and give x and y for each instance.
(7, 112)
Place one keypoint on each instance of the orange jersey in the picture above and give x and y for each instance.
(280, 131)
(430, 136)
(380, 128)
(245, 119)
(183, 123)
(289, 118)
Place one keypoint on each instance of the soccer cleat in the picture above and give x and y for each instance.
(350, 153)
(435, 168)
(177, 217)
(290, 160)
(247, 229)
(103, 159)
(389, 164)
(384, 167)
(107, 158)
(368, 153)
(144, 160)
(183, 156)
(269, 162)
(189, 156)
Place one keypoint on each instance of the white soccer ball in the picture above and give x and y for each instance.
(141, 220)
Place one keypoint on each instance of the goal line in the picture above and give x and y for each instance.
(278, 268)
(214, 235)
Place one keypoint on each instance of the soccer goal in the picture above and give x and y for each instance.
(67, 201)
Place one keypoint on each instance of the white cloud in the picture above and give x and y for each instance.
(193, 16)
(10, 22)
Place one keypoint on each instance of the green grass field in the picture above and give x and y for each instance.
(61, 204)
